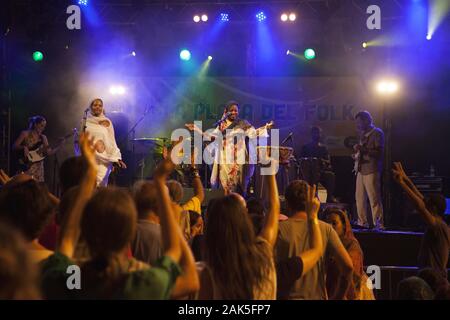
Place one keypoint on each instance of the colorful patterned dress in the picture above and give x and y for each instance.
(36, 169)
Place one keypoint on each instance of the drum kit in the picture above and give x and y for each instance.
(290, 168)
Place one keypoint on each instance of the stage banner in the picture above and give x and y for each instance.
(294, 104)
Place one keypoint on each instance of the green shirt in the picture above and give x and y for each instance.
(155, 283)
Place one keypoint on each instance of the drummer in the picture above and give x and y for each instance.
(316, 149)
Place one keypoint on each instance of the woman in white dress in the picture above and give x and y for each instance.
(101, 129)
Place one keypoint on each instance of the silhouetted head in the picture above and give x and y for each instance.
(414, 288)
(109, 222)
(25, 204)
(146, 199)
(175, 190)
(71, 172)
(295, 196)
(364, 121)
(18, 274)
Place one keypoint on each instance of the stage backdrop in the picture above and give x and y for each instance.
(295, 104)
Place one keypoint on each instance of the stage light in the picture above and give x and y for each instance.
(288, 52)
(309, 54)
(260, 16)
(224, 17)
(133, 53)
(38, 56)
(364, 45)
(117, 90)
(196, 18)
(83, 2)
(210, 58)
(292, 17)
(204, 18)
(387, 87)
(185, 55)
(438, 11)
(284, 17)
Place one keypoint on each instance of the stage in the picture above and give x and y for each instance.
(395, 252)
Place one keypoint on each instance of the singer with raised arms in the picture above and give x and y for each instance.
(232, 176)
(101, 129)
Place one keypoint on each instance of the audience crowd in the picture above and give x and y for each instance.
(146, 243)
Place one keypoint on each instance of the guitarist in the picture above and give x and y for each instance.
(32, 139)
(368, 169)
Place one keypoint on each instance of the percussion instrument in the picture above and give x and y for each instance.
(285, 154)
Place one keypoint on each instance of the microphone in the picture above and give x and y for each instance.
(287, 138)
(87, 110)
(222, 119)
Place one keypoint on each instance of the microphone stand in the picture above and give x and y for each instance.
(218, 123)
(133, 128)
(84, 120)
(76, 142)
(133, 132)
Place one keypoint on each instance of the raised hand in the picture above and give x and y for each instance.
(122, 164)
(164, 169)
(398, 172)
(192, 127)
(4, 178)
(88, 149)
(312, 202)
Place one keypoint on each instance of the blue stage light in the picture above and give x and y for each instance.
(260, 16)
(83, 2)
(224, 17)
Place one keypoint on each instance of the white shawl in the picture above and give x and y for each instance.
(105, 134)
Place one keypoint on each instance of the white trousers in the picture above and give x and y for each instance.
(103, 172)
(368, 186)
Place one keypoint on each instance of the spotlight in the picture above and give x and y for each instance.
(209, 58)
(284, 17)
(117, 90)
(204, 18)
(309, 54)
(185, 55)
(261, 16)
(364, 45)
(224, 17)
(288, 52)
(428, 36)
(83, 2)
(133, 53)
(196, 18)
(387, 87)
(38, 56)
(292, 17)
